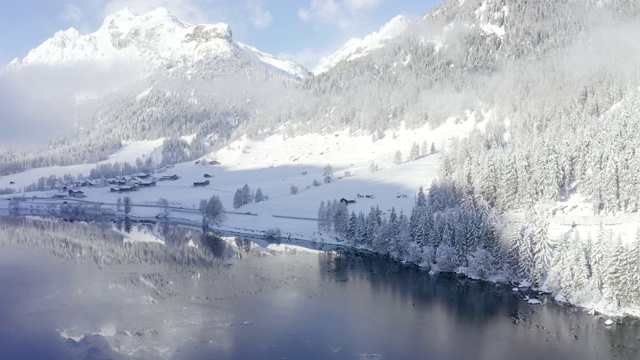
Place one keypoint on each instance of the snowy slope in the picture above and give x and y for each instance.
(156, 38)
(356, 48)
(275, 164)
(129, 152)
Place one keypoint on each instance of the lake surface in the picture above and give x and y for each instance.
(96, 291)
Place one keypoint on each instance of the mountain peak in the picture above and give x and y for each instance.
(157, 39)
(356, 48)
(127, 19)
(159, 12)
(126, 12)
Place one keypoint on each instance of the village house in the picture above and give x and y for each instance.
(201, 183)
(169, 177)
(76, 193)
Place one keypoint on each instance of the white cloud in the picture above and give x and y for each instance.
(186, 10)
(362, 4)
(307, 57)
(260, 18)
(71, 14)
(326, 10)
(340, 13)
(304, 15)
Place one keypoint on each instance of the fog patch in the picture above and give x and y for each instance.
(614, 46)
(41, 101)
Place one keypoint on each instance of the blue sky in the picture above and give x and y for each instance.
(302, 30)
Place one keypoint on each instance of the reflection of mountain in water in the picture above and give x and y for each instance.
(102, 244)
(153, 258)
(155, 284)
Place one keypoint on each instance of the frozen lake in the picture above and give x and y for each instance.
(96, 291)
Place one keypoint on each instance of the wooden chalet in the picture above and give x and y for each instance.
(169, 177)
(76, 193)
(201, 183)
(122, 189)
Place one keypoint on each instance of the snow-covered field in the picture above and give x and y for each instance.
(128, 153)
(274, 164)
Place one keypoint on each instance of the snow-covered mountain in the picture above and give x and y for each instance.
(356, 48)
(157, 39)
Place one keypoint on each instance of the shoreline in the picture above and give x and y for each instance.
(535, 297)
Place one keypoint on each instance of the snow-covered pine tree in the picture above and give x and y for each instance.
(480, 264)
(403, 237)
(628, 287)
(322, 213)
(380, 242)
(488, 181)
(371, 226)
(597, 259)
(559, 269)
(214, 210)
(341, 220)
(421, 199)
(614, 273)
(461, 224)
(578, 266)
(328, 174)
(352, 230)
(508, 197)
(542, 246)
(332, 208)
(414, 153)
(635, 269)
(237, 199)
(259, 196)
(393, 230)
(362, 229)
(247, 196)
(522, 250)
(397, 158)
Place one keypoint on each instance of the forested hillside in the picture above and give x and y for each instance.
(553, 86)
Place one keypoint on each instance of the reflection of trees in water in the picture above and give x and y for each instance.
(102, 244)
(243, 244)
(216, 245)
(463, 297)
(479, 302)
(127, 224)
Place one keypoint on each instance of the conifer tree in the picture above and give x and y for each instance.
(352, 230)
(414, 153)
(246, 195)
(237, 199)
(322, 220)
(259, 196)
